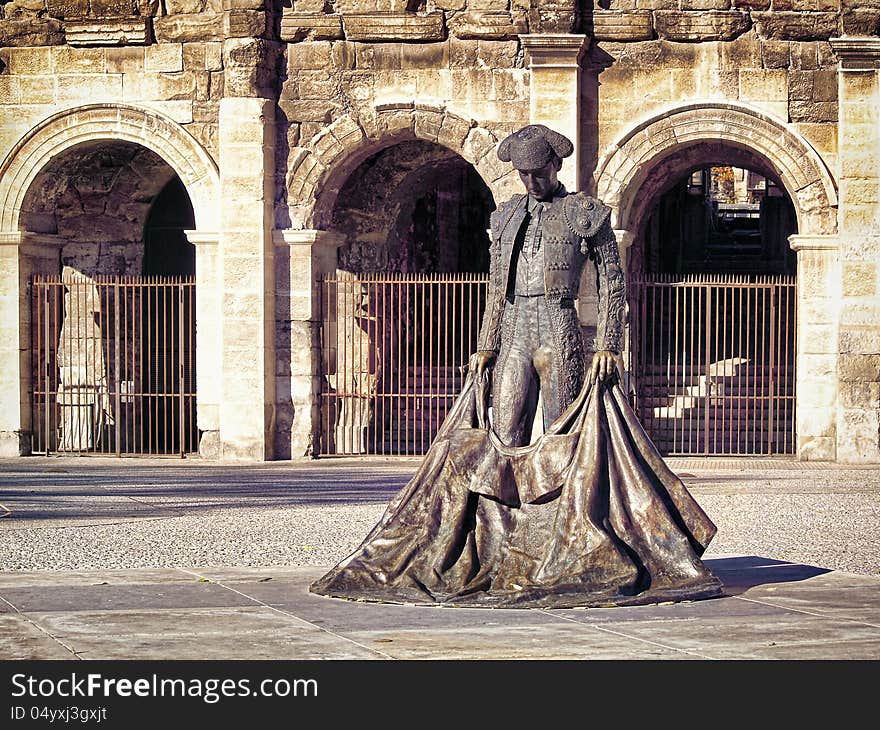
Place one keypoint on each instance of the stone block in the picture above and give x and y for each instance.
(804, 55)
(67, 8)
(817, 422)
(427, 126)
(28, 61)
(606, 25)
(775, 54)
(10, 90)
(553, 18)
(817, 339)
(246, 24)
(816, 448)
(812, 111)
(741, 53)
(89, 89)
(188, 28)
(861, 21)
(108, 32)
(66, 59)
(705, 4)
(825, 85)
(309, 111)
(750, 4)
(343, 56)
(124, 59)
(34, 90)
(387, 56)
(112, 8)
(863, 339)
(859, 396)
(297, 27)
(713, 25)
(800, 85)
(795, 26)
(817, 366)
(309, 55)
(31, 32)
(858, 431)
(213, 56)
(488, 24)
(823, 136)
(424, 55)
(164, 57)
(348, 132)
(763, 85)
(394, 27)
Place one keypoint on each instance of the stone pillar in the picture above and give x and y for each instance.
(301, 258)
(246, 278)
(209, 325)
(555, 66)
(858, 423)
(21, 256)
(818, 297)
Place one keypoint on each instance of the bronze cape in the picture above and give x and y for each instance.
(589, 515)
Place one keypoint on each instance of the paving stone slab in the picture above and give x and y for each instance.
(141, 576)
(21, 639)
(346, 617)
(128, 596)
(733, 638)
(684, 611)
(554, 641)
(220, 633)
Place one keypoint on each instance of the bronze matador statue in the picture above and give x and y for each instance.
(588, 515)
(540, 243)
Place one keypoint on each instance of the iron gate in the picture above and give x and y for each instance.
(113, 365)
(393, 345)
(711, 360)
(713, 363)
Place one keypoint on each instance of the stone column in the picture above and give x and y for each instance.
(246, 277)
(818, 298)
(301, 258)
(209, 325)
(555, 65)
(858, 423)
(21, 256)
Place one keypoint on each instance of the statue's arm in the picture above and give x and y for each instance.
(611, 287)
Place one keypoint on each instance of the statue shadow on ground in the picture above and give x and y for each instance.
(739, 574)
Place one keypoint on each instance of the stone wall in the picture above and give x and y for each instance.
(311, 89)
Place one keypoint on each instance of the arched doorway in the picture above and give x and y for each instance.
(91, 142)
(402, 312)
(734, 295)
(114, 329)
(713, 305)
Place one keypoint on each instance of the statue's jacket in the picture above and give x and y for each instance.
(574, 228)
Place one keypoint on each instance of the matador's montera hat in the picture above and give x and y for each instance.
(533, 147)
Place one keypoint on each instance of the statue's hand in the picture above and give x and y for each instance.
(481, 361)
(604, 366)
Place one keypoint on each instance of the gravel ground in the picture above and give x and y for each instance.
(90, 514)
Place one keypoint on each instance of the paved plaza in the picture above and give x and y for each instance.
(192, 559)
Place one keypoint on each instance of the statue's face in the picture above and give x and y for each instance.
(541, 183)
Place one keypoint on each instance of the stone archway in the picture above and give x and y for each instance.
(637, 169)
(318, 171)
(95, 122)
(29, 247)
(631, 161)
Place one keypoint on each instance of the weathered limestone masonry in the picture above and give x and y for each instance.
(858, 357)
(265, 110)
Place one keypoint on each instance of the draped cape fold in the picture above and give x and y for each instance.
(588, 515)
